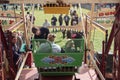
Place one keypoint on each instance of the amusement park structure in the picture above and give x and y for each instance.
(62, 66)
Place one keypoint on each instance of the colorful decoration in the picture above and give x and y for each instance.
(5, 19)
(58, 60)
(106, 13)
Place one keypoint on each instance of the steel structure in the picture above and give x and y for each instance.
(5, 47)
(1, 58)
(114, 37)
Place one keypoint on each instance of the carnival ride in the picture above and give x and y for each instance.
(62, 65)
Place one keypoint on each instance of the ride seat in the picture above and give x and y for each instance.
(41, 46)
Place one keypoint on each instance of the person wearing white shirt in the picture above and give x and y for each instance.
(46, 23)
(55, 47)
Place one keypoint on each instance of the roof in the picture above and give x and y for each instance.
(66, 1)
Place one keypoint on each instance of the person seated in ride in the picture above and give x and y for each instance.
(55, 47)
(15, 49)
(40, 33)
(77, 35)
(49, 46)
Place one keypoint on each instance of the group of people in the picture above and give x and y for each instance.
(60, 20)
(43, 33)
(66, 19)
(70, 34)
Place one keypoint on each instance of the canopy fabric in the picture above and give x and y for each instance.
(66, 1)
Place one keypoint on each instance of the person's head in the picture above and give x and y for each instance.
(35, 31)
(28, 12)
(46, 20)
(51, 37)
(14, 39)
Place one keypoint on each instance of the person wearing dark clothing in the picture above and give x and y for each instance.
(33, 18)
(40, 33)
(16, 51)
(63, 32)
(35, 6)
(68, 34)
(66, 19)
(76, 18)
(5, 7)
(53, 21)
(44, 32)
(60, 20)
(77, 5)
(73, 21)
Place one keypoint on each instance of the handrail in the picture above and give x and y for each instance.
(9, 17)
(21, 67)
(76, 27)
(15, 25)
(96, 25)
(96, 67)
(62, 26)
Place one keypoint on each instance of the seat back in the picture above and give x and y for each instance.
(41, 46)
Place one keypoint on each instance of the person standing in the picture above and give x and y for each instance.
(53, 21)
(63, 32)
(46, 24)
(66, 19)
(31, 18)
(60, 20)
(5, 7)
(28, 16)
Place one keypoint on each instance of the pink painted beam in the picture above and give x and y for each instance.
(88, 75)
(29, 74)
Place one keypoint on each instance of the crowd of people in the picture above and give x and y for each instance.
(43, 33)
(66, 19)
(70, 34)
(73, 18)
